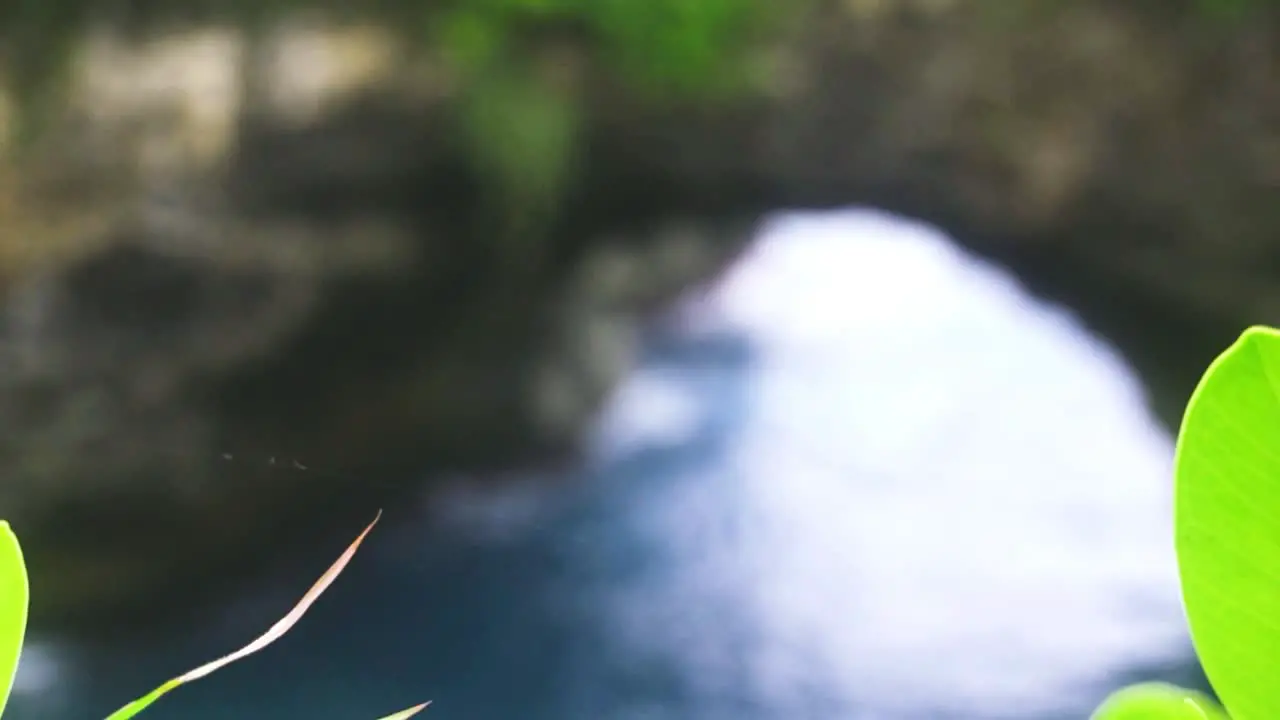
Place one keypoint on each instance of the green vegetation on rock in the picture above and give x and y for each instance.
(520, 122)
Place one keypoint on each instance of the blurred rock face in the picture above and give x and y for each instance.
(206, 334)
(279, 248)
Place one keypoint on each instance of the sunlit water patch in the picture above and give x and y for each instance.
(862, 477)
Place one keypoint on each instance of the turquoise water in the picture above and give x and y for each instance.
(863, 477)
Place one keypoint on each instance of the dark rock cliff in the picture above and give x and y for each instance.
(317, 266)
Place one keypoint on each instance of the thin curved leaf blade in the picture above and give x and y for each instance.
(15, 599)
(271, 635)
(1158, 701)
(1227, 520)
(144, 702)
(407, 713)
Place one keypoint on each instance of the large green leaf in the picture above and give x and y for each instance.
(1227, 519)
(14, 599)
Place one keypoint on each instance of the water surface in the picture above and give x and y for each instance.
(863, 477)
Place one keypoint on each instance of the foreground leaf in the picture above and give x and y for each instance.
(1158, 701)
(14, 601)
(1227, 518)
(280, 628)
(407, 713)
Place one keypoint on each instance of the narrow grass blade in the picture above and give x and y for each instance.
(407, 713)
(280, 628)
(14, 601)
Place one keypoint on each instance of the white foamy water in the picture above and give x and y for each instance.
(943, 497)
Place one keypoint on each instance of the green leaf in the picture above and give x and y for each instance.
(15, 597)
(1158, 701)
(1227, 521)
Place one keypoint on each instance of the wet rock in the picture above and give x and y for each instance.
(208, 354)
